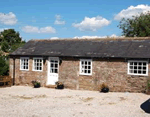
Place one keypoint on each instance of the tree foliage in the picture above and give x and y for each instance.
(10, 40)
(4, 65)
(137, 26)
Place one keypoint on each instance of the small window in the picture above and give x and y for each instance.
(37, 64)
(138, 68)
(85, 66)
(24, 63)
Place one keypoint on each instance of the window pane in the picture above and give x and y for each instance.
(131, 63)
(131, 67)
(135, 71)
(139, 67)
(144, 72)
(85, 62)
(50, 70)
(85, 67)
(139, 72)
(56, 61)
(52, 64)
(89, 67)
(144, 63)
(56, 71)
(140, 63)
(89, 63)
(131, 71)
(89, 71)
(144, 68)
(35, 67)
(135, 63)
(135, 67)
(85, 71)
(82, 62)
(56, 65)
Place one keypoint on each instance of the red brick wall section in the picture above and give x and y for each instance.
(111, 72)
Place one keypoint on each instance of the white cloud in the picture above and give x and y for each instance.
(32, 29)
(54, 38)
(8, 19)
(47, 29)
(91, 24)
(90, 37)
(58, 20)
(132, 11)
(93, 37)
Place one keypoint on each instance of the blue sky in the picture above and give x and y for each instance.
(46, 19)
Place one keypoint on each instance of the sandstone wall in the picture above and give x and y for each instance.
(113, 72)
(23, 77)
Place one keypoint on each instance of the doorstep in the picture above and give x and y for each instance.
(50, 86)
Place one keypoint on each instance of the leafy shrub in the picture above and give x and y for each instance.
(60, 85)
(4, 66)
(104, 88)
(36, 82)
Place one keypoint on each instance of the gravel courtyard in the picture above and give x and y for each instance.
(24, 101)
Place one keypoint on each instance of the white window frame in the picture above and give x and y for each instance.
(33, 63)
(137, 73)
(28, 63)
(80, 69)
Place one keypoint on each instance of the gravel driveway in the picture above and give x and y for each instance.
(24, 101)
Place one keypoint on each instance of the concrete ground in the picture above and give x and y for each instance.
(24, 101)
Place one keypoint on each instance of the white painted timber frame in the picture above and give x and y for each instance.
(80, 67)
(33, 63)
(28, 63)
(137, 73)
(48, 69)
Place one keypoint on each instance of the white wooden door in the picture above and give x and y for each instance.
(53, 69)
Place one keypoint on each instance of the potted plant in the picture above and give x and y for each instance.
(59, 85)
(104, 88)
(36, 83)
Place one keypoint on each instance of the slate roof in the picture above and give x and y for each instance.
(115, 48)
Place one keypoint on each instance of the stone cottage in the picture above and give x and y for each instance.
(121, 63)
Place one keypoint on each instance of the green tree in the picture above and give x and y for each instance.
(4, 65)
(10, 40)
(137, 26)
